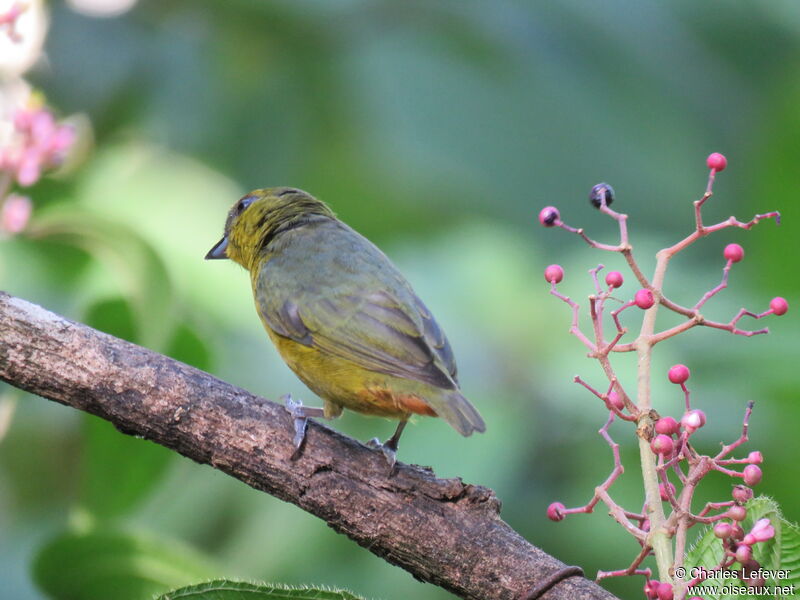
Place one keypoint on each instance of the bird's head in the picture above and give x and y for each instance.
(257, 218)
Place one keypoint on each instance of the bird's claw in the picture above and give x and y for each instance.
(389, 452)
(295, 409)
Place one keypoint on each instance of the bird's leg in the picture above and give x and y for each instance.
(300, 414)
(389, 447)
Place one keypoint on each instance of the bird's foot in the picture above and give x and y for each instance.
(300, 414)
(388, 449)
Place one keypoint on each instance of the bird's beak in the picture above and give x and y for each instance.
(218, 251)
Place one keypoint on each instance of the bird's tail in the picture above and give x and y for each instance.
(451, 406)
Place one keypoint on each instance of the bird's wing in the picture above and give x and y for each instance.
(374, 329)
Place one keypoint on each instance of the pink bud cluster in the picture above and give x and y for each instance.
(8, 20)
(39, 144)
(678, 466)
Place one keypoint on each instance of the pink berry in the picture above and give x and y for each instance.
(548, 216)
(666, 491)
(737, 513)
(651, 589)
(723, 530)
(743, 553)
(755, 457)
(665, 591)
(615, 400)
(752, 475)
(693, 420)
(667, 426)
(733, 252)
(644, 299)
(614, 279)
(779, 306)
(662, 444)
(554, 274)
(555, 512)
(716, 162)
(678, 374)
(741, 493)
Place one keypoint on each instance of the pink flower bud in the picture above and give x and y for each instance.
(755, 457)
(548, 216)
(723, 530)
(662, 444)
(29, 170)
(667, 426)
(779, 306)
(22, 119)
(678, 374)
(737, 513)
(555, 512)
(693, 420)
(738, 532)
(43, 125)
(554, 274)
(741, 493)
(644, 299)
(15, 214)
(743, 553)
(752, 475)
(716, 162)
(733, 252)
(762, 531)
(614, 279)
(61, 140)
(665, 591)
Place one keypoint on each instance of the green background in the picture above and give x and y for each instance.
(438, 130)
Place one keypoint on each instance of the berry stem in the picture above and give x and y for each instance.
(631, 570)
(722, 285)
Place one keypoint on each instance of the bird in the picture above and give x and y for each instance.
(342, 316)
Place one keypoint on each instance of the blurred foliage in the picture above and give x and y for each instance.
(111, 564)
(438, 129)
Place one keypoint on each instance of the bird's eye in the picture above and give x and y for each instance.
(244, 203)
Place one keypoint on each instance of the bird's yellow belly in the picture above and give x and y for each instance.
(346, 385)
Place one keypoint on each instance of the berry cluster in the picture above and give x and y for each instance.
(671, 466)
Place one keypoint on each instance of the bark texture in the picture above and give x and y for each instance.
(442, 531)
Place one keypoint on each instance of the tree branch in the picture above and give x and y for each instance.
(440, 530)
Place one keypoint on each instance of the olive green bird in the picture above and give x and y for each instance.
(342, 316)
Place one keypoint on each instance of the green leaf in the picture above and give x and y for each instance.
(113, 316)
(113, 564)
(139, 270)
(780, 553)
(119, 470)
(186, 346)
(223, 589)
